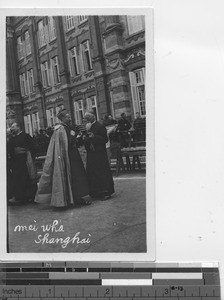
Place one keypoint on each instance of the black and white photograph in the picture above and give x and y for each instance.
(79, 133)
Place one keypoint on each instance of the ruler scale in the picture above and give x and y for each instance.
(115, 281)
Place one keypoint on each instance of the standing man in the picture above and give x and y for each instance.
(123, 123)
(123, 130)
(98, 169)
(22, 152)
(111, 120)
(64, 180)
(139, 127)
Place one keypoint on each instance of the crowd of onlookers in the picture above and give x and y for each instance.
(42, 139)
(122, 131)
(126, 132)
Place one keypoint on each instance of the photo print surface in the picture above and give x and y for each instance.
(78, 92)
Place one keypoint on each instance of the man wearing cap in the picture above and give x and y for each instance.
(64, 180)
(100, 179)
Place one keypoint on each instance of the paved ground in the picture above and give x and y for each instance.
(116, 225)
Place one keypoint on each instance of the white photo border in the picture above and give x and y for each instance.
(150, 141)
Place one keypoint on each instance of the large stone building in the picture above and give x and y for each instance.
(75, 62)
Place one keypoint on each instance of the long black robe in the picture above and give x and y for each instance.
(24, 188)
(97, 167)
(10, 190)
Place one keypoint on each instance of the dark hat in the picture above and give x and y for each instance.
(62, 113)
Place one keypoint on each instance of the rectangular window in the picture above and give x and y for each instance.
(86, 57)
(135, 24)
(28, 125)
(51, 28)
(24, 85)
(59, 108)
(21, 85)
(27, 43)
(45, 74)
(73, 62)
(112, 104)
(69, 20)
(92, 105)
(50, 117)
(79, 112)
(82, 19)
(19, 48)
(30, 81)
(46, 34)
(41, 34)
(55, 70)
(35, 122)
(137, 80)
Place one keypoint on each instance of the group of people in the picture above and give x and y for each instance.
(42, 139)
(123, 130)
(65, 181)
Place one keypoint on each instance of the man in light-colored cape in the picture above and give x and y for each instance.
(64, 180)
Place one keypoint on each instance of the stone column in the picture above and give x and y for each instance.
(98, 61)
(63, 65)
(40, 94)
(115, 68)
(13, 97)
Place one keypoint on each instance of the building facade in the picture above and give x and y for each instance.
(74, 62)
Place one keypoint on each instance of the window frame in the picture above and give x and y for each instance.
(93, 107)
(77, 110)
(50, 117)
(55, 73)
(82, 20)
(45, 72)
(27, 43)
(21, 85)
(134, 91)
(35, 121)
(86, 67)
(51, 28)
(41, 34)
(132, 25)
(30, 81)
(72, 55)
(20, 52)
(28, 124)
(58, 108)
(69, 19)
(24, 82)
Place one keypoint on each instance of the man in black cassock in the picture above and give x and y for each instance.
(20, 144)
(100, 179)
